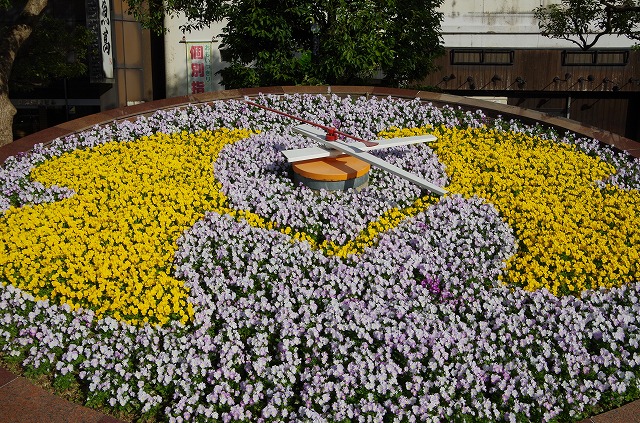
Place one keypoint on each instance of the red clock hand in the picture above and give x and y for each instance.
(332, 133)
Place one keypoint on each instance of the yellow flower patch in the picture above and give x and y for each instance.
(572, 234)
(110, 247)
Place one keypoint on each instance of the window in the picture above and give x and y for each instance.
(578, 58)
(595, 58)
(481, 57)
(459, 57)
(498, 57)
(612, 58)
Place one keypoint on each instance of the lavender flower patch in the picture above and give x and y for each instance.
(327, 340)
(417, 328)
(255, 176)
(318, 311)
(456, 245)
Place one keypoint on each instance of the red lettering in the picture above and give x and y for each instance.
(197, 87)
(197, 69)
(197, 52)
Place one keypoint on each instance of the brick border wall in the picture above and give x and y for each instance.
(465, 103)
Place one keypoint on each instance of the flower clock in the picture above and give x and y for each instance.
(171, 270)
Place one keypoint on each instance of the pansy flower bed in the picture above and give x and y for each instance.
(171, 269)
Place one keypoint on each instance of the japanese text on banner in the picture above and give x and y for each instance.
(200, 75)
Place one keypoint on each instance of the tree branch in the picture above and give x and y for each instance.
(15, 37)
(612, 8)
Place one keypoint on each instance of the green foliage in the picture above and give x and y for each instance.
(264, 38)
(54, 50)
(290, 42)
(584, 22)
(331, 42)
(151, 13)
(416, 41)
(354, 42)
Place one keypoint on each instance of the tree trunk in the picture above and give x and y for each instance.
(7, 111)
(15, 36)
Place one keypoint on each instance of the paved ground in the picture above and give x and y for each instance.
(23, 402)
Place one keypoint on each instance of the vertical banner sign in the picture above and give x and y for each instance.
(105, 31)
(199, 67)
(100, 55)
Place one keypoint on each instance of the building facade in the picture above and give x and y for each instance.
(192, 59)
(494, 50)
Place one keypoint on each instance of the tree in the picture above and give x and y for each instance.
(584, 22)
(12, 37)
(282, 42)
(34, 49)
(55, 50)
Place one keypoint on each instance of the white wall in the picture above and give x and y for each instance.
(176, 55)
(503, 23)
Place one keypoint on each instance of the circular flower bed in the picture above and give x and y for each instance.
(171, 269)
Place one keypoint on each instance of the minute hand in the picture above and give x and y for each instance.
(378, 162)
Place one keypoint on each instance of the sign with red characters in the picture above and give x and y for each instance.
(199, 67)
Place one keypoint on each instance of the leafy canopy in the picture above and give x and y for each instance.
(584, 22)
(288, 42)
(54, 50)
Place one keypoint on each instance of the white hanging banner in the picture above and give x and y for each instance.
(199, 67)
(100, 54)
(105, 38)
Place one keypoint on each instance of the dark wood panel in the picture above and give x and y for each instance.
(607, 97)
(609, 114)
(541, 70)
(555, 106)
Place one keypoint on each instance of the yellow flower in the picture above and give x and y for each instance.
(117, 236)
(572, 234)
(110, 247)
